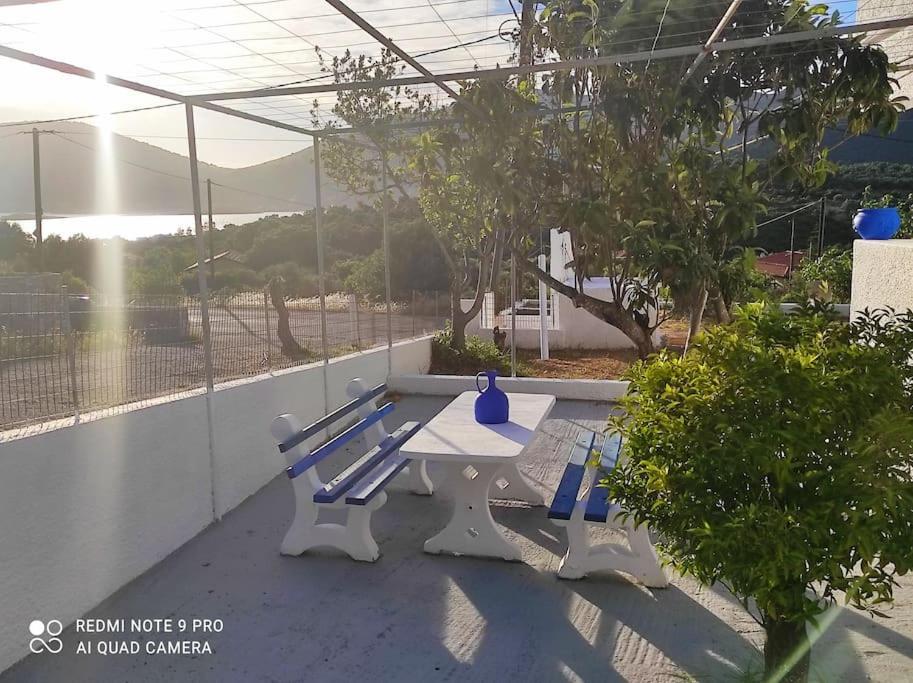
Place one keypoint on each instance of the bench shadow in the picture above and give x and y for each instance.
(582, 627)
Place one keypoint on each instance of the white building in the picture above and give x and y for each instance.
(569, 327)
(898, 43)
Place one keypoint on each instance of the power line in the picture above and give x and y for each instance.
(177, 137)
(86, 116)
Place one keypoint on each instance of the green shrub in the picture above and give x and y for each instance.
(365, 276)
(299, 282)
(835, 267)
(775, 459)
(478, 355)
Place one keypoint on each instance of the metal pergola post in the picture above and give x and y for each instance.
(210, 228)
(39, 211)
(204, 298)
(386, 243)
(321, 279)
(513, 315)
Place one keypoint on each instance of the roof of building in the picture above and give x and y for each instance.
(778, 264)
(228, 255)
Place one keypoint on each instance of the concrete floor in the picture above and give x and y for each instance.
(418, 617)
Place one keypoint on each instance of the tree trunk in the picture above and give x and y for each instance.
(698, 304)
(290, 347)
(634, 324)
(458, 319)
(720, 310)
(787, 652)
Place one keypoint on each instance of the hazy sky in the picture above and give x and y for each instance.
(196, 46)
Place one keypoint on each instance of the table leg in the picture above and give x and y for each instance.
(471, 529)
(511, 484)
(419, 481)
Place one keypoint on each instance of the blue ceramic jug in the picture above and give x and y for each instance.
(492, 407)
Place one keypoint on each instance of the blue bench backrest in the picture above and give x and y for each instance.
(325, 422)
(337, 442)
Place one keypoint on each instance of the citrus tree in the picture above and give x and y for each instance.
(655, 180)
(775, 459)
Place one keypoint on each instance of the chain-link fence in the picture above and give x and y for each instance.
(63, 354)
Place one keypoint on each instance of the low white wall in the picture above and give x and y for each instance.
(568, 389)
(86, 508)
(882, 275)
(576, 329)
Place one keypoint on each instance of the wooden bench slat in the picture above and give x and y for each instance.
(566, 495)
(338, 441)
(598, 504)
(350, 476)
(326, 421)
(374, 483)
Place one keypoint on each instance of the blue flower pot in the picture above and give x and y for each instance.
(492, 406)
(877, 224)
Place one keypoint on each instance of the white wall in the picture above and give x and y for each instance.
(608, 390)
(895, 42)
(882, 275)
(576, 328)
(86, 508)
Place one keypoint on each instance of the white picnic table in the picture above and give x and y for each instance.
(481, 463)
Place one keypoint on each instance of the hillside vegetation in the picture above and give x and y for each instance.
(271, 246)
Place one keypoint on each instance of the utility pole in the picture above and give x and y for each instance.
(212, 227)
(36, 169)
(527, 19)
(821, 222)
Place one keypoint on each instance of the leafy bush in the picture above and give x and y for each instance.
(365, 276)
(835, 267)
(775, 459)
(740, 279)
(299, 282)
(75, 284)
(232, 278)
(478, 355)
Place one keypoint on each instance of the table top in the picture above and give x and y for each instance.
(454, 435)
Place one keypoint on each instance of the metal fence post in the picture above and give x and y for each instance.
(269, 334)
(513, 316)
(386, 247)
(70, 351)
(413, 312)
(321, 278)
(373, 326)
(543, 311)
(204, 303)
(353, 319)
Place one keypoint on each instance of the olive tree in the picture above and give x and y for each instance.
(775, 458)
(429, 167)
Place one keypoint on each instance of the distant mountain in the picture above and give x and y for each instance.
(870, 147)
(896, 148)
(149, 180)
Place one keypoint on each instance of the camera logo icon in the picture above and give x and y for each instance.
(44, 636)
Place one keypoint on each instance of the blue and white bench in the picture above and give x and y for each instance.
(580, 502)
(358, 489)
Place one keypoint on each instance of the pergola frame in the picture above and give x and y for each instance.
(442, 80)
